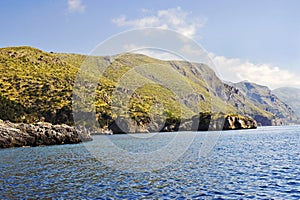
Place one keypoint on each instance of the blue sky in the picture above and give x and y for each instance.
(254, 40)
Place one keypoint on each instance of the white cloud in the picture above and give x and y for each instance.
(235, 70)
(154, 53)
(187, 48)
(76, 6)
(229, 69)
(173, 18)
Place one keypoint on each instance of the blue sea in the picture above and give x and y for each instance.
(247, 164)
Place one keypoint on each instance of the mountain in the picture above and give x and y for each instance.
(37, 85)
(263, 97)
(290, 96)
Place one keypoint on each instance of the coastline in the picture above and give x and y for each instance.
(40, 134)
(44, 133)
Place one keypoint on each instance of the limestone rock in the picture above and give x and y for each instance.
(21, 134)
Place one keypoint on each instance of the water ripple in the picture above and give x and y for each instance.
(255, 164)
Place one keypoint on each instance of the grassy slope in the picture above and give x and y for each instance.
(36, 85)
(39, 81)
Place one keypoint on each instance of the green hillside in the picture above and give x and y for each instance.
(36, 85)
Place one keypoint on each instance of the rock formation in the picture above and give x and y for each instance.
(21, 134)
(201, 122)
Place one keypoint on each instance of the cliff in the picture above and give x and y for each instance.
(201, 122)
(265, 99)
(289, 96)
(20, 135)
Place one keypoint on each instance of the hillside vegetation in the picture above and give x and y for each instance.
(37, 85)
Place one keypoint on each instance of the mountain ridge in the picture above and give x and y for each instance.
(290, 96)
(39, 85)
(264, 98)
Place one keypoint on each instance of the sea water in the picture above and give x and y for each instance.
(263, 163)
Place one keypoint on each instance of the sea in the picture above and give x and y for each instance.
(262, 163)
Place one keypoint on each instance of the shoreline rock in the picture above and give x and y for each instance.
(43, 133)
(39, 134)
(201, 122)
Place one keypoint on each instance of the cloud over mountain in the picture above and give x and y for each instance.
(174, 18)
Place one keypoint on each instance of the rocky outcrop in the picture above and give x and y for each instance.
(123, 125)
(213, 122)
(201, 122)
(21, 134)
(239, 122)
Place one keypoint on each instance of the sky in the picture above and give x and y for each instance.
(256, 40)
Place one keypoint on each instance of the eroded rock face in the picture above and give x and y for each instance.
(201, 122)
(212, 122)
(236, 122)
(18, 135)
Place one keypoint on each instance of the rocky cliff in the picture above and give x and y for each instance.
(289, 96)
(20, 135)
(263, 98)
(201, 122)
